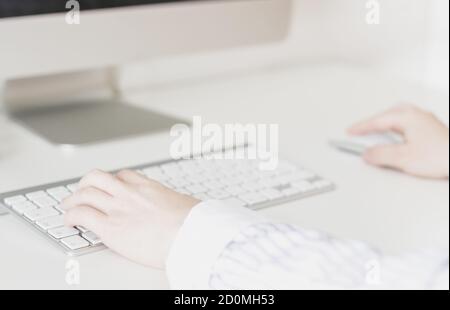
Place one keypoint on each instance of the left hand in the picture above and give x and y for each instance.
(133, 215)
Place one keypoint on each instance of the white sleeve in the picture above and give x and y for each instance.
(205, 234)
(221, 247)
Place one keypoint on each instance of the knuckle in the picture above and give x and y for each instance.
(87, 192)
(67, 200)
(430, 115)
(95, 173)
(406, 107)
(412, 111)
(152, 185)
(124, 173)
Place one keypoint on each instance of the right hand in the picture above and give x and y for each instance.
(134, 216)
(425, 152)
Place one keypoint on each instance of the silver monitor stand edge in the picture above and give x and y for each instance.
(79, 108)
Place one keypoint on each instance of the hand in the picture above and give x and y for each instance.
(425, 152)
(134, 216)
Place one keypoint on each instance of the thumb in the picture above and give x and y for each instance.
(388, 156)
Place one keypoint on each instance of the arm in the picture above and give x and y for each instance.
(210, 245)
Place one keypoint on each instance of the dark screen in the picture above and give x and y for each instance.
(11, 8)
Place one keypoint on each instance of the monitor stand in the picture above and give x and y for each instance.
(79, 108)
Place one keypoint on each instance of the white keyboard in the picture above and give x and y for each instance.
(236, 182)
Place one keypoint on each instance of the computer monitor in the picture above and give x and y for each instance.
(60, 77)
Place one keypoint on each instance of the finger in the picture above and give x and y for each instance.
(88, 217)
(391, 120)
(131, 177)
(105, 182)
(387, 156)
(92, 197)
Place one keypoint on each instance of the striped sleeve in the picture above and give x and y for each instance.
(281, 256)
(223, 247)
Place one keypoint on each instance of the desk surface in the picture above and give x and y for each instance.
(386, 209)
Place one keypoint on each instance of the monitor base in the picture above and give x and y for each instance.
(92, 122)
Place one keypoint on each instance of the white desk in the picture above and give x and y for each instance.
(384, 208)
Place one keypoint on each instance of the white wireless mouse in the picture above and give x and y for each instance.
(360, 144)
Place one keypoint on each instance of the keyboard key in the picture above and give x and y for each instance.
(197, 178)
(155, 173)
(92, 238)
(253, 198)
(213, 185)
(251, 186)
(63, 232)
(60, 196)
(230, 181)
(75, 243)
(72, 187)
(189, 166)
(170, 166)
(196, 189)
(15, 200)
(175, 173)
(82, 229)
(44, 201)
(270, 182)
(235, 190)
(202, 197)
(322, 184)
(304, 186)
(272, 194)
(179, 182)
(59, 209)
(34, 195)
(51, 222)
(234, 202)
(218, 194)
(59, 192)
(58, 189)
(39, 214)
(292, 191)
(23, 207)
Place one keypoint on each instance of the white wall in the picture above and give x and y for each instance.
(410, 42)
(437, 74)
